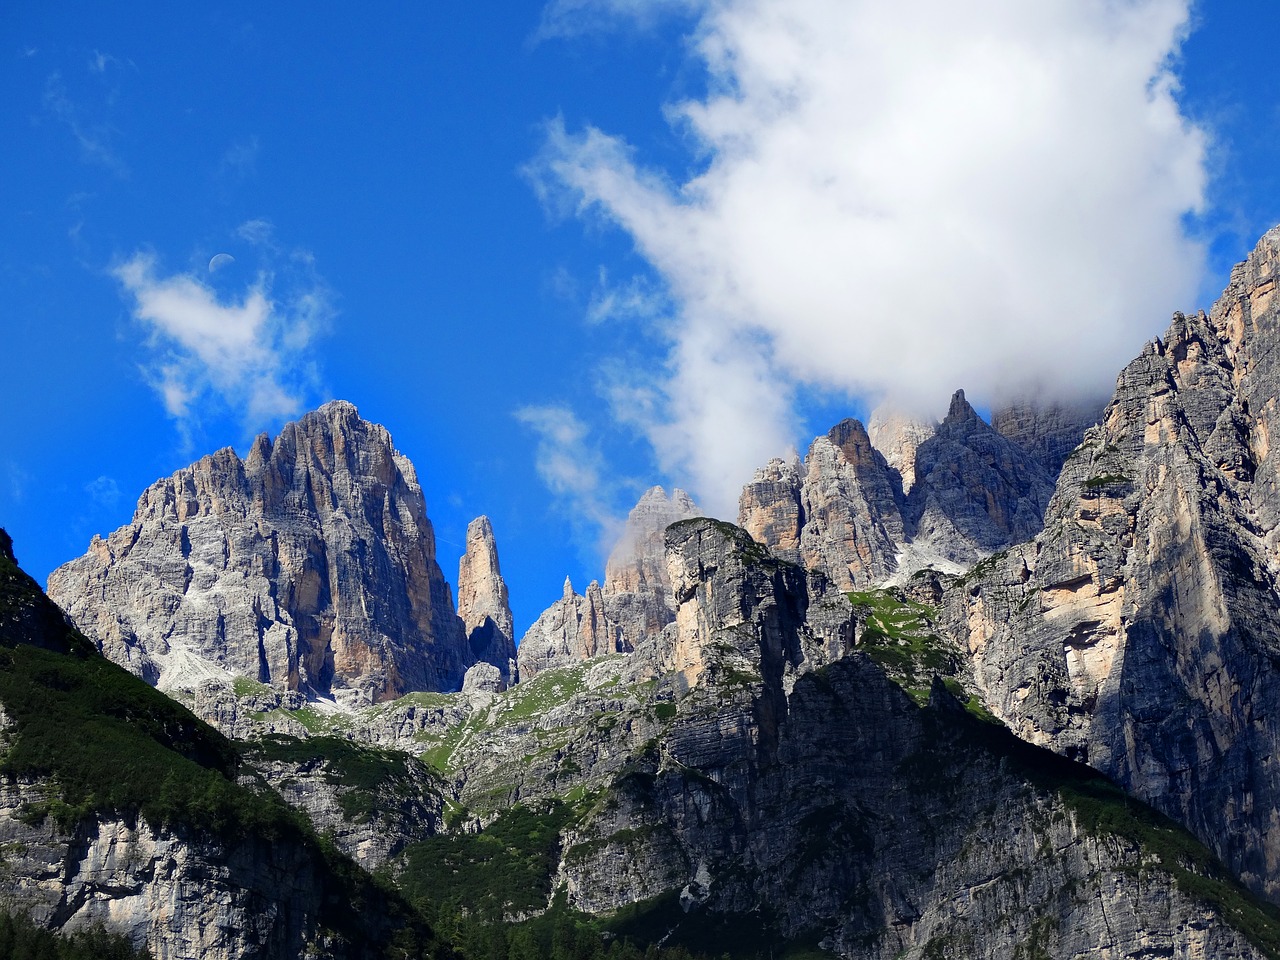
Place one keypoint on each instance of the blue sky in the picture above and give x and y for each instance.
(565, 252)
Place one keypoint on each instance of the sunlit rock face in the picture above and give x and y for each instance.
(634, 603)
(309, 565)
(483, 603)
(851, 513)
(1138, 631)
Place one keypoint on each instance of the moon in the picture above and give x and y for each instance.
(220, 260)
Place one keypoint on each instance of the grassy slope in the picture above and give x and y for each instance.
(109, 745)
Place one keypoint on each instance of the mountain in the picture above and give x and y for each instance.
(959, 491)
(309, 565)
(118, 808)
(948, 690)
(1139, 631)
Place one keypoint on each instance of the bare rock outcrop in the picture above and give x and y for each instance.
(309, 565)
(975, 491)
(483, 603)
(637, 589)
(574, 628)
(838, 512)
(898, 436)
(1138, 632)
(634, 604)
(1050, 430)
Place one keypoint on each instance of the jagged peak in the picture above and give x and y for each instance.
(568, 589)
(960, 409)
(480, 529)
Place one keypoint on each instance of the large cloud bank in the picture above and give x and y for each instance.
(897, 200)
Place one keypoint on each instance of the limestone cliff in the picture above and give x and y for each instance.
(120, 810)
(483, 604)
(1047, 430)
(635, 602)
(309, 565)
(839, 511)
(898, 436)
(759, 780)
(975, 491)
(572, 629)
(1138, 632)
(848, 512)
(637, 589)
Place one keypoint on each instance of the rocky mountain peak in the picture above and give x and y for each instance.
(310, 565)
(960, 410)
(897, 435)
(483, 602)
(1048, 431)
(637, 562)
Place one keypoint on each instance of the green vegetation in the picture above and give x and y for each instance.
(247, 687)
(547, 690)
(103, 743)
(20, 939)
(898, 635)
(363, 773)
(504, 871)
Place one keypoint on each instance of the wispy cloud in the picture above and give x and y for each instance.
(247, 348)
(898, 198)
(574, 471)
(104, 491)
(240, 160)
(572, 18)
(89, 126)
(637, 298)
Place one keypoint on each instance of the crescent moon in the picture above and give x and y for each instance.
(220, 260)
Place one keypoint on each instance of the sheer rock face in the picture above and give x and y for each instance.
(637, 590)
(851, 500)
(308, 565)
(744, 779)
(838, 512)
(634, 603)
(483, 604)
(573, 629)
(975, 491)
(898, 436)
(1138, 631)
(733, 598)
(179, 897)
(844, 510)
(1047, 431)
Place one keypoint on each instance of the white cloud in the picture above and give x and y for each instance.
(900, 198)
(636, 299)
(573, 470)
(248, 351)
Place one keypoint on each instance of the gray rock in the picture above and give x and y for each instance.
(483, 603)
(1047, 430)
(309, 565)
(1138, 631)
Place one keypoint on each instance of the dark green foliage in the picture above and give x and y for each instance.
(20, 939)
(503, 871)
(363, 773)
(107, 744)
